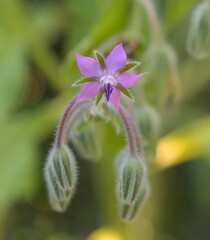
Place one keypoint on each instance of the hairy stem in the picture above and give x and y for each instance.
(137, 136)
(130, 133)
(135, 128)
(60, 131)
(80, 110)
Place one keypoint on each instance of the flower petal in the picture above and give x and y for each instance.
(89, 67)
(128, 80)
(116, 60)
(115, 97)
(89, 91)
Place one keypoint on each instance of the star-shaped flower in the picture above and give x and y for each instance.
(106, 77)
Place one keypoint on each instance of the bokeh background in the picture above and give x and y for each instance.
(38, 41)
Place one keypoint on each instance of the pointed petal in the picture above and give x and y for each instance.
(91, 90)
(89, 67)
(115, 98)
(116, 60)
(128, 80)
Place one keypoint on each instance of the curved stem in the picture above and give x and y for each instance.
(72, 120)
(154, 20)
(60, 131)
(135, 129)
(130, 133)
(137, 136)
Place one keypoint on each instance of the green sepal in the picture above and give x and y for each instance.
(84, 80)
(131, 179)
(100, 57)
(129, 66)
(100, 95)
(126, 92)
(129, 211)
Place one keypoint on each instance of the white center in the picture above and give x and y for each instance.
(108, 79)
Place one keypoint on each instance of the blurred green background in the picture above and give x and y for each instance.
(38, 41)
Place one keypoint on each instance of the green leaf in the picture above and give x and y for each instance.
(18, 161)
(12, 56)
(100, 57)
(129, 66)
(99, 97)
(126, 92)
(84, 80)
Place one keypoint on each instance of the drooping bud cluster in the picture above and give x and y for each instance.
(198, 40)
(60, 175)
(132, 180)
(103, 78)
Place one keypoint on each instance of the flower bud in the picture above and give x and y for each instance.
(149, 123)
(129, 211)
(60, 176)
(198, 40)
(121, 157)
(130, 178)
(161, 63)
(87, 144)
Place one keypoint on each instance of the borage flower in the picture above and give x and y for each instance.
(106, 77)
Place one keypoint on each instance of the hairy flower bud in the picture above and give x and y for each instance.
(129, 211)
(198, 40)
(149, 123)
(60, 175)
(87, 144)
(130, 177)
(161, 63)
(121, 157)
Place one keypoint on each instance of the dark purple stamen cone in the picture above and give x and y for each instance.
(107, 88)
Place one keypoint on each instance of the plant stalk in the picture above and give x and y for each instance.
(130, 133)
(60, 131)
(154, 20)
(80, 110)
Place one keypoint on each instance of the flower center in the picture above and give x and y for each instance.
(107, 83)
(108, 79)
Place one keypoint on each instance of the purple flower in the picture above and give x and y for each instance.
(106, 77)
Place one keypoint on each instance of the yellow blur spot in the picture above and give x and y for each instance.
(173, 150)
(185, 143)
(104, 234)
